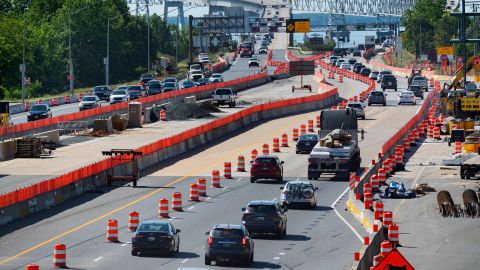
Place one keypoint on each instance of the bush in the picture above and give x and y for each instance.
(35, 89)
(2, 93)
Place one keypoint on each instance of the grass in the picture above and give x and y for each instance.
(406, 57)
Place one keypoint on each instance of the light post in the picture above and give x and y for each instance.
(23, 67)
(148, 37)
(70, 61)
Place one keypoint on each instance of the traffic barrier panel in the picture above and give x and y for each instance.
(276, 145)
(202, 187)
(241, 164)
(194, 193)
(133, 220)
(393, 234)
(177, 201)
(227, 170)
(60, 255)
(284, 140)
(112, 230)
(352, 180)
(265, 149)
(215, 178)
(254, 154)
(310, 126)
(295, 134)
(163, 208)
(385, 248)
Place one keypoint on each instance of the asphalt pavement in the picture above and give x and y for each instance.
(316, 239)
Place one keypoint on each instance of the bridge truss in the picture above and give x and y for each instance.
(355, 7)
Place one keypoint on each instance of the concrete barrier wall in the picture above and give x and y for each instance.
(89, 120)
(52, 198)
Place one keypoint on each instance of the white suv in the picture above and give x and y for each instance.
(299, 192)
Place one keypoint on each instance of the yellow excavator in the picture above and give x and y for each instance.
(459, 101)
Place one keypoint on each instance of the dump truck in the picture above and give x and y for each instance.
(337, 151)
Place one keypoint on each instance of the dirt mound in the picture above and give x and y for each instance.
(209, 107)
(179, 111)
(119, 123)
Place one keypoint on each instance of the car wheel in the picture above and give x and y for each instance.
(297, 152)
(280, 180)
(285, 231)
(363, 117)
(369, 104)
(399, 103)
(134, 252)
(385, 104)
(208, 261)
(251, 257)
(279, 234)
(314, 205)
(178, 247)
(252, 180)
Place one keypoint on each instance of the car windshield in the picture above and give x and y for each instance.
(374, 73)
(309, 137)
(154, 227)
(375, 93)
(100, 89)
(227, 233)
(135, 88)
(265, 160)
(197, 72)
(168, 84)
(193, 67)
(261, 208)
(39, 108)
(406, 94)
(354, 105)
(419, 78)
(119, 92)
(121, 88)
(89, 98)
(146, 76)
(187, 83)
(384, 72)
(223, 91)
(171, 79)
(216, 75)
(415, 88)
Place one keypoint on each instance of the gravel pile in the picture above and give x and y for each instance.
(179, 111)
(209, 107)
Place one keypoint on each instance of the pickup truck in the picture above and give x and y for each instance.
(421, 81)
(223, 96)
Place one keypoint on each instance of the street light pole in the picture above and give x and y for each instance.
(23, 66)
(107, 63)
(70, 63)
(148, 37)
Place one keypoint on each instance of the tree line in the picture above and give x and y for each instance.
(45, 24)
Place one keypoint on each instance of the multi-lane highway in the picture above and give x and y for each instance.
(316, 239)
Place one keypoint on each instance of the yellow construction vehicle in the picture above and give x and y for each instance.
(458, 101)
(4, 114)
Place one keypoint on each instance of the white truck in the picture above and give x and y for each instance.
(224, 96)
(369, 42)
(337, 151)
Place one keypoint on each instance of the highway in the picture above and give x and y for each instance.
(316, 239)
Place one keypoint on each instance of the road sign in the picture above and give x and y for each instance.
(298, 25)
(302, 68)
(27, 80)
(393, 260)
(69, 78)
(445, 50)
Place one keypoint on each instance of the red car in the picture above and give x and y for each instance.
(266, 167)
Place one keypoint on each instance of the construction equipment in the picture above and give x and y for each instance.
(120, 156)
(337, 150)
(4, 113)
(462, 101)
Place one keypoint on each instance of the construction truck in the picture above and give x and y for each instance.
(337, 151)
(459, 101)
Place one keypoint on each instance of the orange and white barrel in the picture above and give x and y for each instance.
(385, 248)
(284, 140)
(60, 255)
(254, 154)
(367, 199)
(241, 164)
(318, 121)
(32, 266)
(215, 178)
(352, 180)
(112, 230)
(378, 210)
(265, 149)
(194, 193)
(387, 218)
(406, 144)
(67, 99)
(367, 187)
(436, 133)
(411, 138)
(133, 220)
(163, 115)
(374, 182)
(382, 176)
(430, 131)
(227, 170)
(276, 145)
(340, 79)
(385, 167)
(421, 130)
(202, 187)
(163, 208)
(303, 129)
(458, 147)
(295, 134)
(398, 158)
(393, 234)
(177, 201)
(310, 126)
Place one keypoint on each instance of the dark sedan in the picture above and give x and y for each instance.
(156, 236)
(187, 84)
(39, 111)
(202, 81)
(135, 91)
(265, 217)
(102, 92)
(306, 142)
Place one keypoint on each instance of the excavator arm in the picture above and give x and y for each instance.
(472, 63)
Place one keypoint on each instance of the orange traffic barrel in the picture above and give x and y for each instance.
(318, 121)
(227, 170)
(194, 193)
(254, 154)
(303, 129)
(60, 255)
(177, 201)
(215, 178)
(393, 234)
(385, 248)
(241, 164)
(276, 145)
(387, 218)
(367, 199)
(163, 208)
(112, 230)
(382, 176)
(310, 126)
(133, 220)
(374, 181)
(378, 210)
(32, 267)
(295, 134)
(202, 186)
(458, 147)
(284, 140)
(265, 149)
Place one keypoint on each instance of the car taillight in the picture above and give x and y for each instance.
(310, 161)
(244, 241)
(210, 240)
(137, 236)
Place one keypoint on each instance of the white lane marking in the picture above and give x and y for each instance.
(281, 253)
(276, 258)
(344, 220)
(184, 261)
(191, 207)
(128, 242)
(98, 259)
(208, 198)
(298, 179)
(123, 245)
(225, 187)
(239, 179)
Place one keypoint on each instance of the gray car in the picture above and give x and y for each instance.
(377, 97)
(299, 193)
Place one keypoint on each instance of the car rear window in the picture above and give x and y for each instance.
(100, 89)
(309, 137)
(227, 233)
(169, 84)
(119, 92)
(223, 92)
(354, 105)
(89, 99)
(261, 208)
(135, 87)
(153, 228)
(265, 160)
(376, 93)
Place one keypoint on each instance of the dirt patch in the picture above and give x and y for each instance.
(209, 107)
(180, 111)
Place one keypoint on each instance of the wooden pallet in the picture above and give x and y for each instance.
(29, 147)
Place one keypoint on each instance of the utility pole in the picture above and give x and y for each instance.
(176, 44)
(23, 67)
(464, 43)
(107, 62)
(70, 63)
(190, 39)
(148, 37)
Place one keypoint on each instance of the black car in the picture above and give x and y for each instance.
(154, 87)
(265, 217)
(389, 82)
(202, 81)
(39, 111)
(357, 53)
(365, 72)
(155, 236)
(357, 68)
(135, 91)
(417, 90)
(228, 242)
(306, 142)
(352, 61)
(102, 92)
(377, 97)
